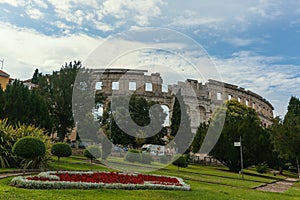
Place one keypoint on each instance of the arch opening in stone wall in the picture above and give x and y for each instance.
(166, 110)
(202, 112)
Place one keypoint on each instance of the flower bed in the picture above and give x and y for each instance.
(90, 180)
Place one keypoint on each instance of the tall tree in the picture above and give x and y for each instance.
(200, 134)
(181, 125)
(139, 112)
(58, 89)
(287, 134)
(241, 121)
(35, 77)
(25, 106)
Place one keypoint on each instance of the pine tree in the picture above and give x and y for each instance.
(181, 125)
(287, 135)
(57, 90)
(35, 77)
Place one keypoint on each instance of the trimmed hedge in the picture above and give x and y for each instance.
(133, 156)
(29, 147)
(92, 152)
(61, 149)
(146, 158)
(181, 161)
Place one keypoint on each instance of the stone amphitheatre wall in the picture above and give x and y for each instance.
(201, 101)
(220, 92)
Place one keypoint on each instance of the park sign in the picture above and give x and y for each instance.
(237, 144)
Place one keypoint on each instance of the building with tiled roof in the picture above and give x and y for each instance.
(4, 79)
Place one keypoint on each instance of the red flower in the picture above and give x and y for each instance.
(111, 177)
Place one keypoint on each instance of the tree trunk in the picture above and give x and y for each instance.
(297, 161)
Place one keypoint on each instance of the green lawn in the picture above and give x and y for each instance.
(206, 182)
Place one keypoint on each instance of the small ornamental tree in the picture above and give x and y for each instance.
(92, 152)
(106, 147)
(61, 149)
(29, 148)
(133, 155)
(180, 161)
(146, 158)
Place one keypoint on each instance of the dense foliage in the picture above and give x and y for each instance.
(241, 121)
(9, 135)
(286, 134)
(180, 161)
(92, 152)
(29, 147)
(181, 125)
(21, 105)
(139, 111)
(57, 89)
(133, 156)
(61, 149)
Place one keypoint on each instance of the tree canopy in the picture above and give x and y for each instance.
(181, 125)
(139, 111)
(243, 121)
(58, 89)
(287, 133)
(21, 105)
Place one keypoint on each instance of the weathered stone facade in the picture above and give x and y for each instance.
(201, 99)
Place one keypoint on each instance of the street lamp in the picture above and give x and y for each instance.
(239, 144)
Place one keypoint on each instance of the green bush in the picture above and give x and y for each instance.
(61, 149)
(180, 161)
(165, 159)
(92, 152)
(133, 156)
(9, 135)
(262, 168)
(106, 147)
(31, 149)
(146, 158)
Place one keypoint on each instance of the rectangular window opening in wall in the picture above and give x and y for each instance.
(229, 97)
(239, 100)
(253, 105)
(132, 86)
(247, 102)
(98, 86)
(219, 96)
(164, 88)
(115, 85)
(148, 87)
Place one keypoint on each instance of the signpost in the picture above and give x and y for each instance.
(239, 144)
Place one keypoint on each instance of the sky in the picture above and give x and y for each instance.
(254, 44)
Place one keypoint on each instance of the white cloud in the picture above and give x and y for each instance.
(40, 3)
(34, 13)
(239, 41)
(267, 9)
(14, 3)
(26, 50)
(277, 83)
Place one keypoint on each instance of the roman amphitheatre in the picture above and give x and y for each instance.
(201, 101)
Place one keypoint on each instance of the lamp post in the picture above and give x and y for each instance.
(239, 144)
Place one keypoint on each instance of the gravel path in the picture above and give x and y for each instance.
(278, 186)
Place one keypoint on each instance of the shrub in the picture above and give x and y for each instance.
(61, 149)
(9, 135)
(29, 148)
(262, 168)
(146, 158)
(106, 147)
(92, 152)
(165, 159)
(180, 161)
(133, 156)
